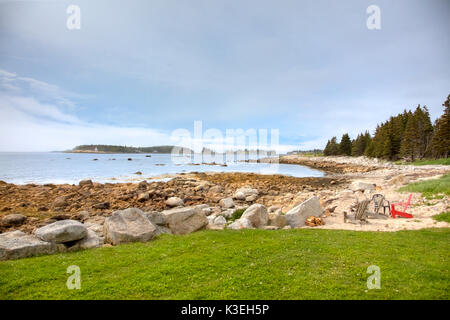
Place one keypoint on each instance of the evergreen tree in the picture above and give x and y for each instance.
(332, 148)
(440, 143)
(345, 147)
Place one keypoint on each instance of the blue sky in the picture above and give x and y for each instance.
(137, 70)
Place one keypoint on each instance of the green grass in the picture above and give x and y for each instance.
(246, 264)
(237, 214)
(444, 216)
(431, 189)
(443, 161)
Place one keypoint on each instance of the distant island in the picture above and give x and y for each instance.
(101, 148)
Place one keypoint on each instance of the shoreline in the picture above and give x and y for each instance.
(44, 204)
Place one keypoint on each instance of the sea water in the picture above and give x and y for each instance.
(57, 168)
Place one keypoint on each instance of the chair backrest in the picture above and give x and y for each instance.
(361, 209)
(407, 202)
(378, 200)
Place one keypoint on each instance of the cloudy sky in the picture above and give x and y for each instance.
(137, 70)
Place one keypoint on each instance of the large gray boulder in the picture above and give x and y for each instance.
(257, 215)
(17, 244)
(129, 225)
(62, 231)
(296, 216)
(185, 220)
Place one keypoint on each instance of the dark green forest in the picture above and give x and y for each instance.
(409, 136)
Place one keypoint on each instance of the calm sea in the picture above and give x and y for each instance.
(40, 168)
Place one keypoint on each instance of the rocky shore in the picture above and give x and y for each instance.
(34, 217)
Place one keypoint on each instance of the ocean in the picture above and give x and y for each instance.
(59, 168)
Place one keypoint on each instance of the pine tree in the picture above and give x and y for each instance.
(440, 143)
(409, 139)
(345, 147)
(332, 147)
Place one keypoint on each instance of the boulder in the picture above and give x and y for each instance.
(239, 195)
(185, 220)
(251, 198)
(361, 186)
(60, 202)
(243, 193)
(242, 223)
(62, 231)
(156, 218)
(129, 225)
(92, 240)
(296, 216)
(174, 202)
(257, 215)
(86, 183)
(17, 244)
(277, 220)
(13, 219)
(144, 196)
(220, 220)
(226, 203)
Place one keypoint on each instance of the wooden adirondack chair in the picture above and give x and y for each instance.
(403, 213)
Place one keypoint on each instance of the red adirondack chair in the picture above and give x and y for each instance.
(401, 213)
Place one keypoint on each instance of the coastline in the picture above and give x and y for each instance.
(44, 204)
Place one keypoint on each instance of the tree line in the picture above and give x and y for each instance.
(410, 135)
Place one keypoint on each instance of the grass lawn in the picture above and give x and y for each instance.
(430, 188)
(444, 216)
(247, 264)
(443, 161)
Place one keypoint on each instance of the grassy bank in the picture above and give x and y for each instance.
(444, 161)
(430, 188)
(248, 264)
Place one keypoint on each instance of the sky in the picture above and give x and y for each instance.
(135, 72)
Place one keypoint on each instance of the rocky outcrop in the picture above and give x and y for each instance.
(17, 244)
(62, 231)
(185, 220)
(129, 225)
(296, 216)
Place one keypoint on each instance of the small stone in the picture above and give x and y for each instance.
(174, 202)
(13, 219)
